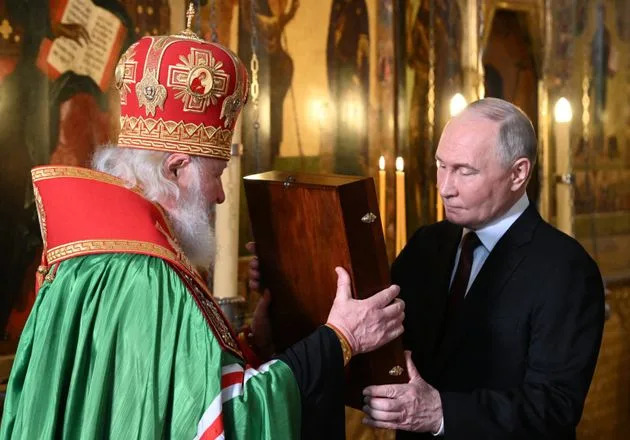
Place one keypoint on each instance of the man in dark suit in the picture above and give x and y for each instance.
(504, 313)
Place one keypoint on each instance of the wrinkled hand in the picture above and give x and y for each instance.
(415, 406)
(73, 31)
(254, 269)
(261, 327)
(368, 323)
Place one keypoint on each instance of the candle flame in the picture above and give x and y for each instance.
(381, 163)
(562, 111)
(400, 164)
(457, 104)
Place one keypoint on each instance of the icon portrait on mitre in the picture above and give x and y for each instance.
(200, 81)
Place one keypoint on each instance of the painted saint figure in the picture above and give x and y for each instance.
(347, 55)
(202, 83)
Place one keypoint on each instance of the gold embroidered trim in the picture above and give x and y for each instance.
(173, 136)
(85, 247)
(41, 214)
(52, 171)
(203, 299)
(212, 313)
(150, 92)
(232, 104)
(125, 73)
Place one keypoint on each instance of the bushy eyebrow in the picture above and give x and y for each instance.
(458, 165)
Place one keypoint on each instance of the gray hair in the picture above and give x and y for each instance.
(145, 169)
(516, 133)
(142, 168)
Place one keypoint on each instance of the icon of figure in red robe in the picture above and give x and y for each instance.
(202, 83)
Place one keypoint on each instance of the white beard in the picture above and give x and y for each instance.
(193, 228)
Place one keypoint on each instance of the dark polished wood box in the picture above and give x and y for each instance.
(304, 225)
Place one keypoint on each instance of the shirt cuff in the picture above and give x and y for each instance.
(441, 430)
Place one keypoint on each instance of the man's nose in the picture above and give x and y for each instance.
(446, 185)
(220, 195)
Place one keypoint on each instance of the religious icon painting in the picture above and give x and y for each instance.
(199, 80)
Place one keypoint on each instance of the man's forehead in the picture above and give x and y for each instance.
(466, 141)
(470, 131)
(474, 119)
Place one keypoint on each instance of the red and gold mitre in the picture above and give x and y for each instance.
(179, 93)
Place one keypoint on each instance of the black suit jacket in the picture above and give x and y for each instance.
(518, 361)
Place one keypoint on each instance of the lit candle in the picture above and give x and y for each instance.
(401, 217)
(226, 225)
(381, 191)
(564, 187)
(457, 105)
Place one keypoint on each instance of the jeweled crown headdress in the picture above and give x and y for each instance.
(180, 93)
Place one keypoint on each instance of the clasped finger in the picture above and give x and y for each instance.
(397, 307)
(385, 416)
(382, 404)
(384, 297)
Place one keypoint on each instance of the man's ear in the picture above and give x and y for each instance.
(521, 170)
(173, 163)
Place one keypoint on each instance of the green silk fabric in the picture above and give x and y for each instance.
(115, 347)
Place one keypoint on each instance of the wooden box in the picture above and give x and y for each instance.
(304, 225)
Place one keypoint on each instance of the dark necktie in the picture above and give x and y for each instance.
(462, 275)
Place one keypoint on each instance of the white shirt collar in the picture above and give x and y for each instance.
(490, 234)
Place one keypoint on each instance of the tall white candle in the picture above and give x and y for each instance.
(226, 224)
(382, 205)
(401, 217)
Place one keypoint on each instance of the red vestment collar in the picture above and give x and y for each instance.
(84, 212)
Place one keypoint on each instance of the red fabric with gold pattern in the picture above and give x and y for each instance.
(180, 94)
(84, 212)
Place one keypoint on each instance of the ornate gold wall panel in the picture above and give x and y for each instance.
(607, 409)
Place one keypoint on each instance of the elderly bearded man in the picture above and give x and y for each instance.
(124, 341)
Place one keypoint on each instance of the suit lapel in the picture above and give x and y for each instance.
(496, 271)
